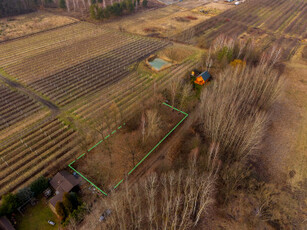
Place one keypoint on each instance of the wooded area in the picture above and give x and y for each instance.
(15, 7)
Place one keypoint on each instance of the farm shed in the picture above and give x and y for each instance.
(62, 182)
(5, 224)
(203, 78)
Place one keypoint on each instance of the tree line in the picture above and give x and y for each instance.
(115, 9)
(15, 7)
(11, 201)
(98, 8)
(225, 136)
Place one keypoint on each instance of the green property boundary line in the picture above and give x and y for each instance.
(113, 132)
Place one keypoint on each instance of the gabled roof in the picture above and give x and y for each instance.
(56, 198)
(64, 182)
(205, 75)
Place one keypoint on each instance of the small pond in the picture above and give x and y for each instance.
(158, 63)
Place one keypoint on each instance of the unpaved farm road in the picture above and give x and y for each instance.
(19, 87)
(55, 110)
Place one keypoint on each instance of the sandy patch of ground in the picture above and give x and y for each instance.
(13, 27)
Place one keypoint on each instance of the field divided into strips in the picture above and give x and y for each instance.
(81, 60)
(129, 93)
(48, 146)
(114, 133)
(287, 19)
(38, 152)
(15, 107)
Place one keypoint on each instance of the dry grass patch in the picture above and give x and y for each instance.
(212, 9)
(30, 23)
(178, 52)
(113, 159)
(163, 22)
(176, 200)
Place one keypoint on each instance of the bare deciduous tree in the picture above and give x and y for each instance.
(74, 4)
(173, 201)
(153, 123)
(67, 5)
(233, 111)
(85, 133)
(174, 86)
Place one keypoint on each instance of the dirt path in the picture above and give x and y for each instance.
(19, 87)
(55, 110)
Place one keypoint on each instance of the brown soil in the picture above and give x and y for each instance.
(116, 162)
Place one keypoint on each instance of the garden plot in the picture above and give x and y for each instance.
(108, 163)
(36, 153)
(82, 62)
(163, 22)
(283, 21)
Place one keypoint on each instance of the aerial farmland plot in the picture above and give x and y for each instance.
(62, 76)
(268, 23)
(168, 21)
(35, 153)
(66, 64)
(111, 160)
(17, 110)
(153, 114)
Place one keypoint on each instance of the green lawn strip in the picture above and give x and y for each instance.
(36, 218)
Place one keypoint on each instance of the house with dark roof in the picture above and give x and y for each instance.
(62, 182)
